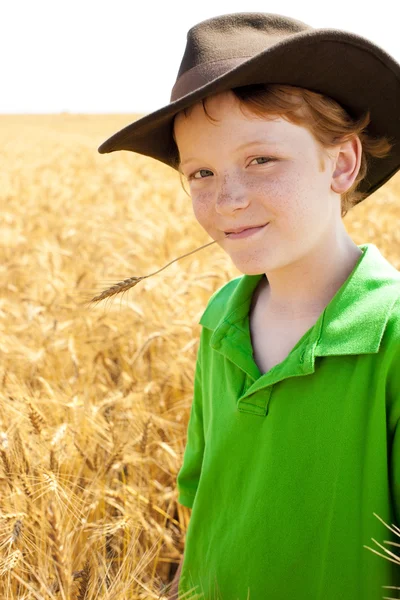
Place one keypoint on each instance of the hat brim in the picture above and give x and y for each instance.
(344, 66)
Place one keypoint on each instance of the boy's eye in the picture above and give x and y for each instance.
(267, 159)
(193, 176)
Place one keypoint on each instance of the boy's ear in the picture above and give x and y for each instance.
(347, 165)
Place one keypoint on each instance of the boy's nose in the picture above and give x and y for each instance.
(231, 196)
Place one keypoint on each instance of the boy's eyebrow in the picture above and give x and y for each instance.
(245, 145)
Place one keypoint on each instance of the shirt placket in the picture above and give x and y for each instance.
(232, 340)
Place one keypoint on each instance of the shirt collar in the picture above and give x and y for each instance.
(352, 323)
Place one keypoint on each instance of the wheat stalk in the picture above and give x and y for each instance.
(126, 284)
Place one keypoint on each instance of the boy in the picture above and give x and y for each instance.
(294, 437)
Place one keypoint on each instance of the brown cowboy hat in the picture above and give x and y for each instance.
(239, 49)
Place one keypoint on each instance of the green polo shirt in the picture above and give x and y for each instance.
(285, 470)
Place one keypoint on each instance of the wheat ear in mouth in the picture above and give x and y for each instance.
(126, 284)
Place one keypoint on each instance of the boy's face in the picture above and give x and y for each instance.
(279, 179)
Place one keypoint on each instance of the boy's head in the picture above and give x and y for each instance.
(238, 51)
(299, 175)
(326, 120)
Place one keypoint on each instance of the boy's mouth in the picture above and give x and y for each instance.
(235, 232)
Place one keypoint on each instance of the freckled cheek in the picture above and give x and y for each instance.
(287, 201)
(279, 194)
(203, 208)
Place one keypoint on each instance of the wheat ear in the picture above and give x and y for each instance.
(85, 580)
(126, 284)
(56, 547)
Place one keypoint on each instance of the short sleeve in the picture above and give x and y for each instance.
(189, 474)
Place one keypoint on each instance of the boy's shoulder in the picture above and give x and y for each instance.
(386, 286)
(217, 303)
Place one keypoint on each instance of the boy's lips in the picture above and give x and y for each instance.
(239, 229)
(235, 232)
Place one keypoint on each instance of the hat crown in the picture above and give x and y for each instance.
(229, 40)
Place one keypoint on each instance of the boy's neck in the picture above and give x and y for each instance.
(303, 289)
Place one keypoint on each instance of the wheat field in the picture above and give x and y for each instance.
(95, 400)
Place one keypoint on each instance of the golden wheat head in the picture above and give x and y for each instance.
(126, 284)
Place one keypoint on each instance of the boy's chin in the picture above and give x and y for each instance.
(248, 268)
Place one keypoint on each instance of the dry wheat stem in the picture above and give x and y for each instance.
(126, 284)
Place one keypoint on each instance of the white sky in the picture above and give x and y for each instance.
(117, 56)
